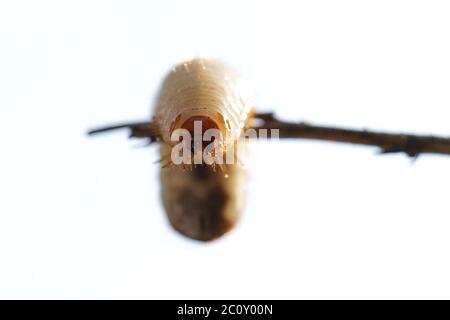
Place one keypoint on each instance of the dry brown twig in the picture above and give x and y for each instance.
(410, 144)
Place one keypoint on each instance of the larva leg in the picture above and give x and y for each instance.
(137, 130)
(411, 145)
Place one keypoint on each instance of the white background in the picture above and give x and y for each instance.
(82, 218)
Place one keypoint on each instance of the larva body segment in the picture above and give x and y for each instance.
(203, 203)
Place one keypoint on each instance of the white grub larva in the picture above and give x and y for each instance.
(202, 203)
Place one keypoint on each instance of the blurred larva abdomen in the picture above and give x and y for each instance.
(202, 203)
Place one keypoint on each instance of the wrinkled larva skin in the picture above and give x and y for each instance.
(203, 204)
(203, 87)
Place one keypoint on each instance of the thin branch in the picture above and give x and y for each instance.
(412, 145)
(141, 129)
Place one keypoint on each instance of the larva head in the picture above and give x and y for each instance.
(207, 136)
(201, 123)
(197, 126)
